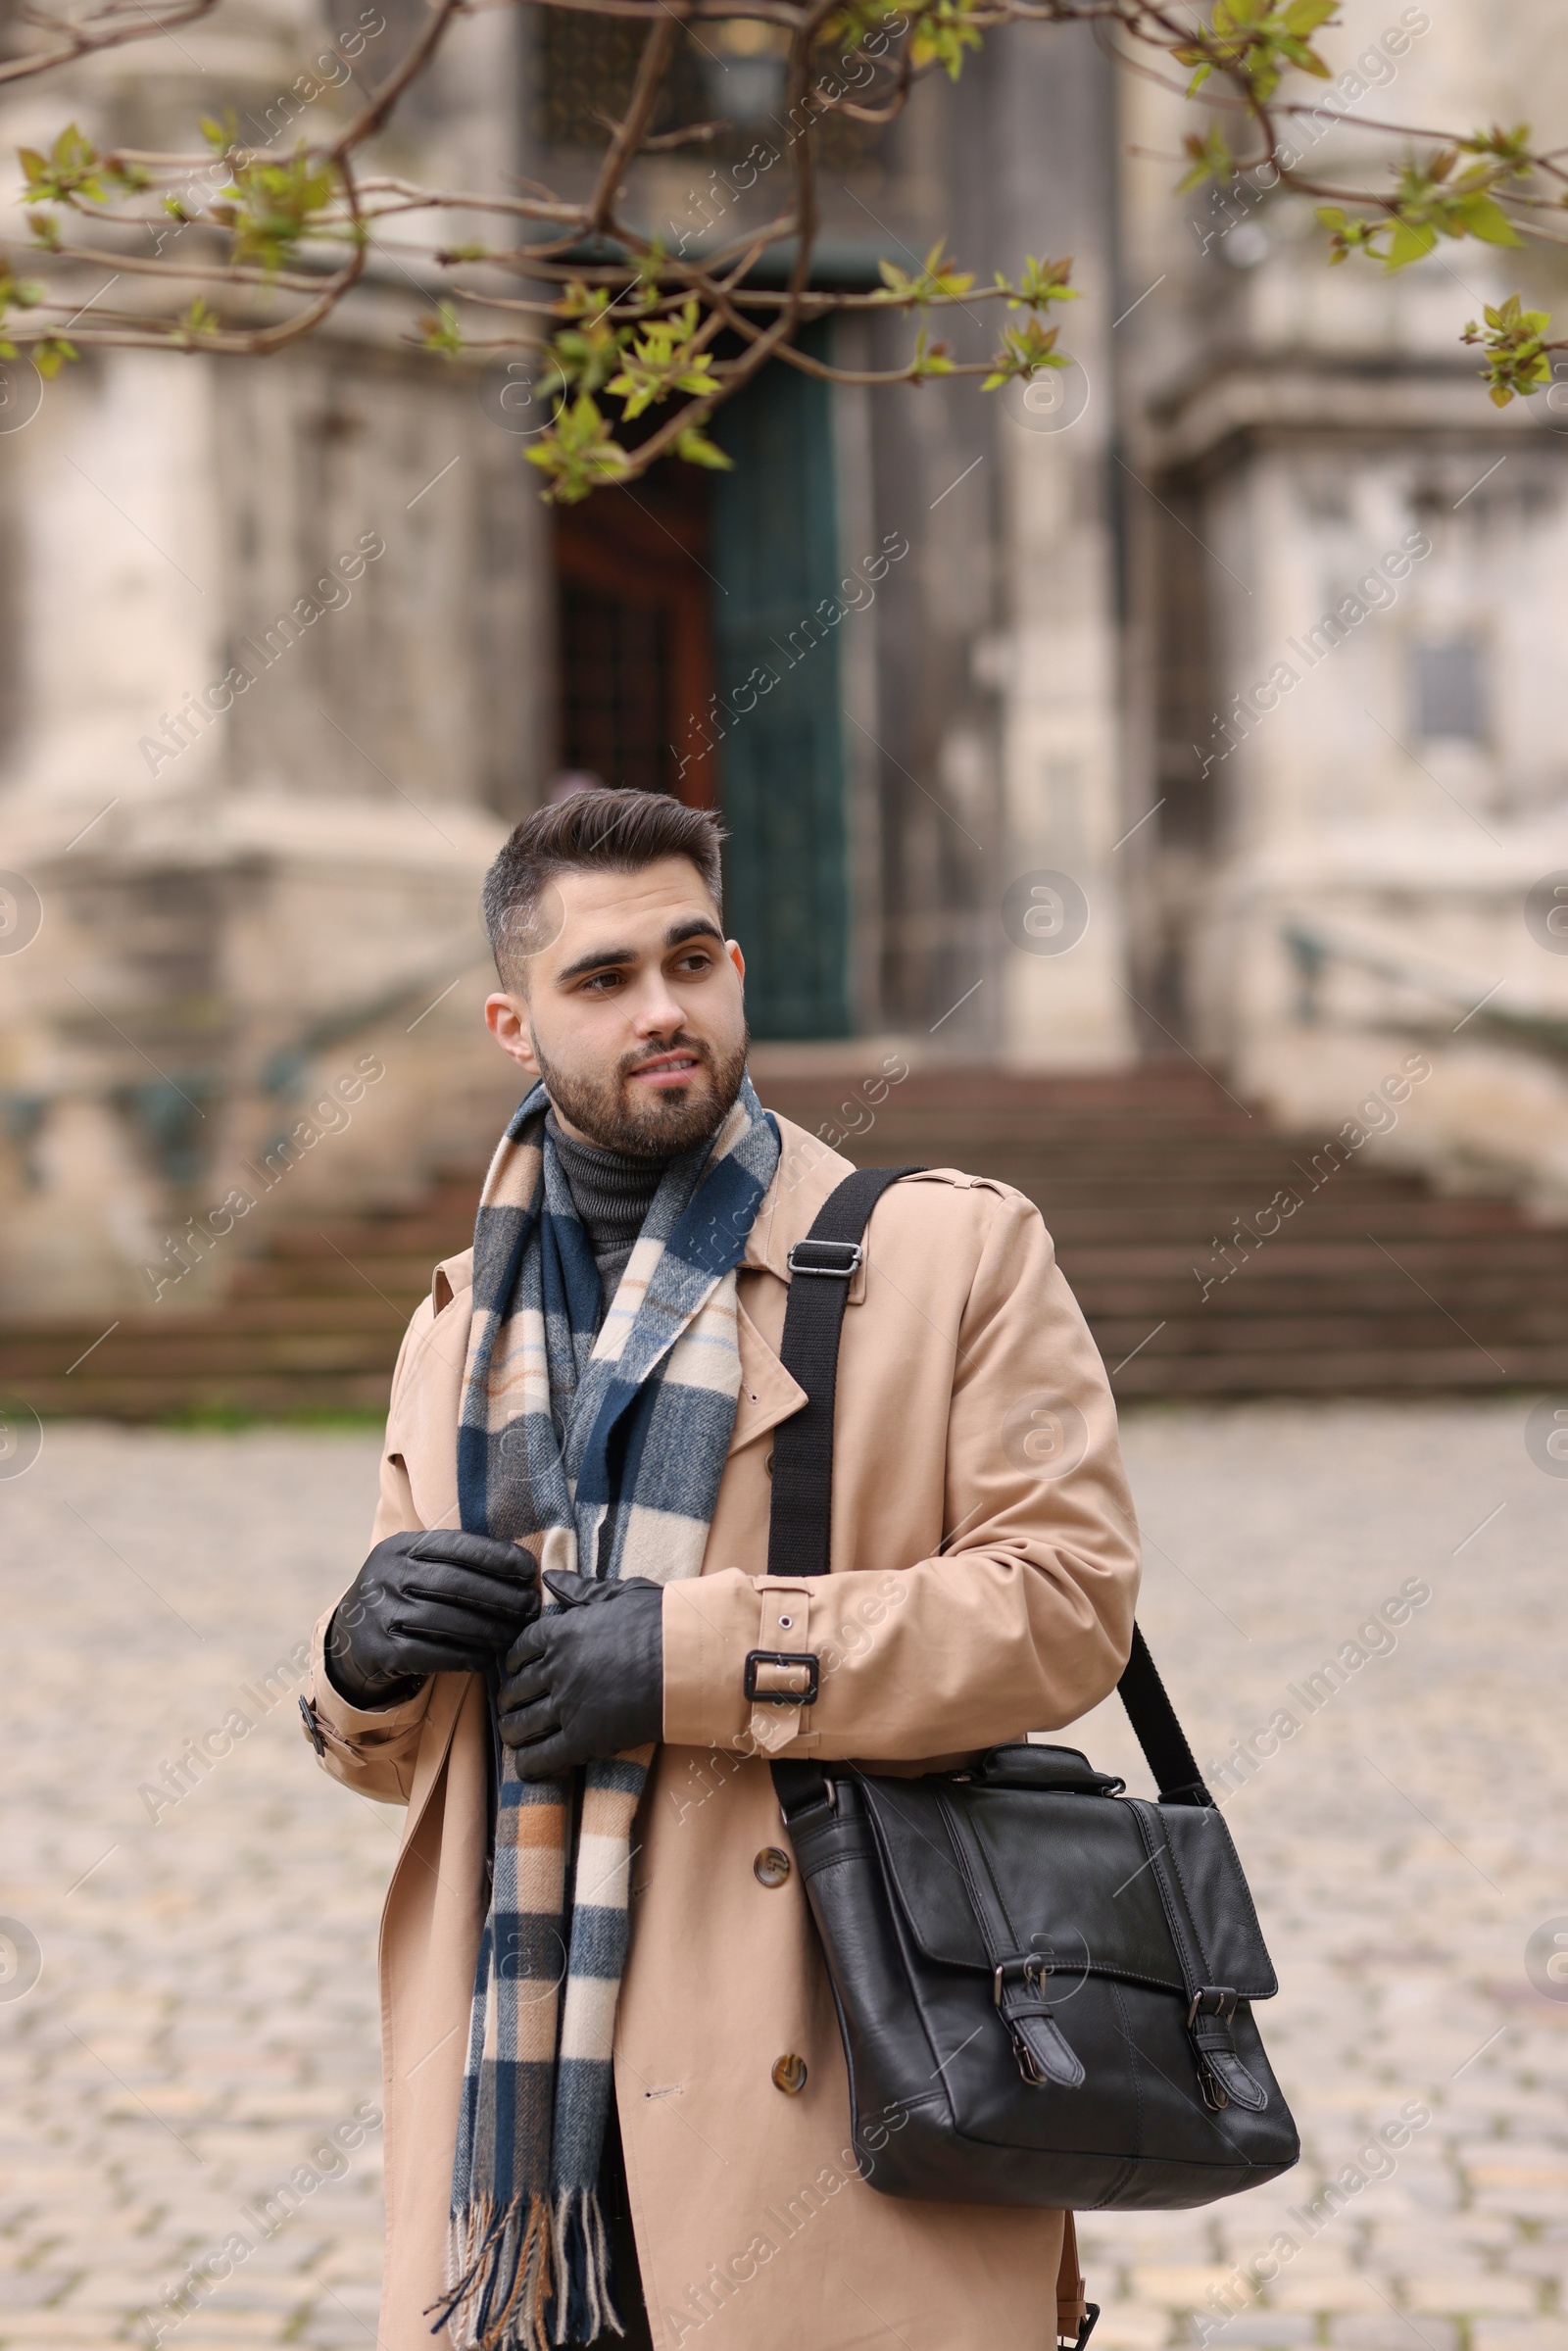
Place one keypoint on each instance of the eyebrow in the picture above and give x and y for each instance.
(605, 958)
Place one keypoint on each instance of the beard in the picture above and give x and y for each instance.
(667, 1122)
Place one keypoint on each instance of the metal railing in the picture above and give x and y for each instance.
(170, 1110)
(1315, 948)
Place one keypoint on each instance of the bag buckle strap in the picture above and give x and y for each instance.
(1086, 2327)
(835, 1258)
(1034, 1970)
(1208, 2021)
(1216, 2000)
(1043, 2053)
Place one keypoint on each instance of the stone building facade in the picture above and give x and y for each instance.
(286, 645)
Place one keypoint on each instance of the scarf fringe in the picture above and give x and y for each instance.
(584, 2310)
(500, 2278)
(506, 2269)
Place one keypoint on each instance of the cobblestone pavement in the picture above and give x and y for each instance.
(194, 2067)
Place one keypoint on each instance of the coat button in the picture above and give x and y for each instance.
(771, 1866)
(767, 1461)
(789, 2075)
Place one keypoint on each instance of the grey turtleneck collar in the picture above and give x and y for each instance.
(612, 1192)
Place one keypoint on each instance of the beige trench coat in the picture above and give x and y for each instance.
(983, 1587)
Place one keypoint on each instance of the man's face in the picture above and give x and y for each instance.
(632, 1010)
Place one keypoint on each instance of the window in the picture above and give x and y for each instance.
(586, 66)
(585, 70)
(1451, 691)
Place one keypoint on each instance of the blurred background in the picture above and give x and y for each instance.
(1163, 804)
(1177, 741)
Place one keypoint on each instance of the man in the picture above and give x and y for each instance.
(617, 2101)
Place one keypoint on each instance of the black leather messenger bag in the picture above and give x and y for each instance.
(1044, 1984)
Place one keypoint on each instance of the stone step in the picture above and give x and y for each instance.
(1376, 1284)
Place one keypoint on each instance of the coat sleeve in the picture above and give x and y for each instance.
(374, 1752)
(1021, 1621)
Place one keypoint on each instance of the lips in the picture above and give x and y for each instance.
(668, 1069)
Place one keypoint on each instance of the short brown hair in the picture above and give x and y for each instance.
(620, 831)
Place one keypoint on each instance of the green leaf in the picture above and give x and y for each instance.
(269, 208)
(1516, 350)
(930, 359)
(663, 358)
(940, 34)
(1042, 282)
(1303, 17)
(579, 453)
(1255, 42)
(1510, 147)
(936, 280)
(1211, 159)
(1486, 219)
(18, 293)
(1024, 351)
(1411, 241)
(196, 319)
(71, 172)
(695, 448)
(440, 330)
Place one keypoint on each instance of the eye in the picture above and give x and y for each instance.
(700, 960)
(599, 983)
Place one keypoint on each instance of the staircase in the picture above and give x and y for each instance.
(1156, 1186)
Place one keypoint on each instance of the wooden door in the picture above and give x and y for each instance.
(635, 636)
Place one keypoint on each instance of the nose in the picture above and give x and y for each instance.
(655, 1014)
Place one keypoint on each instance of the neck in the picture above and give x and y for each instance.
(611, 1192)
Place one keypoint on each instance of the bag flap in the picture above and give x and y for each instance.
(1218, 1900)
(1070, 1873)
(1067, 1871)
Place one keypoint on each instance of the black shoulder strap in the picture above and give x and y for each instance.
(821, 1269)
(800, 1528)
(1160, 1735)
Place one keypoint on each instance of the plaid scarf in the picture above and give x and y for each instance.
(604, 1455)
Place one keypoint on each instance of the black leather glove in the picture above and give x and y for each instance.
(433, 1601)
(587, 1679)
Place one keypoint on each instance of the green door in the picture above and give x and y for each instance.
(780, 702)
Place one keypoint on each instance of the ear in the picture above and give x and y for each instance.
(509, 1026)
(732, 950)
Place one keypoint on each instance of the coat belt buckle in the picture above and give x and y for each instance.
(802, 1669)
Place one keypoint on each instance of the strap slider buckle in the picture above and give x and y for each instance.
(837, 1258)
